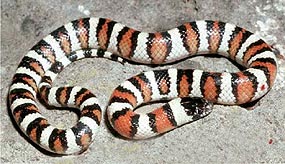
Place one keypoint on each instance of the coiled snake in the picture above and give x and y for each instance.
(99, 37)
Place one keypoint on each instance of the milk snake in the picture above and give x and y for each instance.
(99, 37)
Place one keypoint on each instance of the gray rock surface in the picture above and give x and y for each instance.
(230, 134)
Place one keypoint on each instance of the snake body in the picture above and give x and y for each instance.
(100, 37)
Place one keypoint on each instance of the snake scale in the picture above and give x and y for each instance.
(100, 37)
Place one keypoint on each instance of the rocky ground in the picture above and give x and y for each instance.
(231, 134)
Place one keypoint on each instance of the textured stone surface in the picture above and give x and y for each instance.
(230, 134)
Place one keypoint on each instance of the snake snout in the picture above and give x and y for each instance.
(197, 107)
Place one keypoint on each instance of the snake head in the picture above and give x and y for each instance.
(196, 107)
